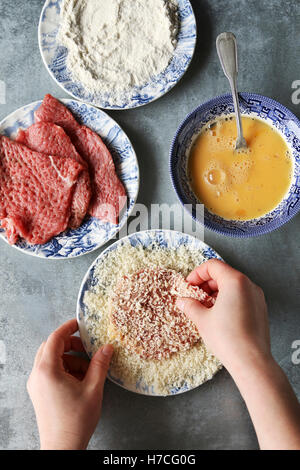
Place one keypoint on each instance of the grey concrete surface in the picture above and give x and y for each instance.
(38, 295)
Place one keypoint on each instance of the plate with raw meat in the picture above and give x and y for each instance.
(69, 178)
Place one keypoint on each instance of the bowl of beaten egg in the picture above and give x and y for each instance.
(245, 193)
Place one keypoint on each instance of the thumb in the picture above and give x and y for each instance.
(97, 371)
(193, 309)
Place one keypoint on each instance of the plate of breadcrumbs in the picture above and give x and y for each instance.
(128, 299)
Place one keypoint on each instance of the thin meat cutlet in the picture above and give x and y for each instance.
(109, 195)
(145, 317)
(36, 192)
(50, 139)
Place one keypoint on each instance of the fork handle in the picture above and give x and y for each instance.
(227, 52)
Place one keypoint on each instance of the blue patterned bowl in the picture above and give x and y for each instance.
(256, 106)
(92, 234)
(54, 57)
(163, 238)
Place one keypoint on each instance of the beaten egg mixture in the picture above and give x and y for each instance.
(240, 185)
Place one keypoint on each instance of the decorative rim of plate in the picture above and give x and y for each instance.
(53, 249)
(275, 117)
(87, 282)
(55, 62)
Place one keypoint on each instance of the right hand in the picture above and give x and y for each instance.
(236, 328)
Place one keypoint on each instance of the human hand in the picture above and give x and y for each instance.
(66, 390)
(236, 328)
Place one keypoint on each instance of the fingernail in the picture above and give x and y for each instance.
(180, 304)
(107, 350)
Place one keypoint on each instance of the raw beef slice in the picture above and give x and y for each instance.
(48, 138)
(109, 195)
(36, 192)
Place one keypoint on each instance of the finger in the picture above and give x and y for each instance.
(209, 286)
(213, 285)
(55, 344)
(193, 309)
(75, 364)
(98, 367)
(39, 354)
(213, 271)
(205, 287)
(74, 343)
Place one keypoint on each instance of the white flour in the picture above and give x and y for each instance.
(114, 45)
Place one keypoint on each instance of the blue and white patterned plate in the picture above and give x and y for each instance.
(92, 234)
(163, 238)
(256, 106)
(55, 56)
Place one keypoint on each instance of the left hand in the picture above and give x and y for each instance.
(66, 390)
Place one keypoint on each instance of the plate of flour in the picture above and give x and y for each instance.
(117, 54)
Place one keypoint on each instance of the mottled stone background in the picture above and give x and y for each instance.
(38, 295)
